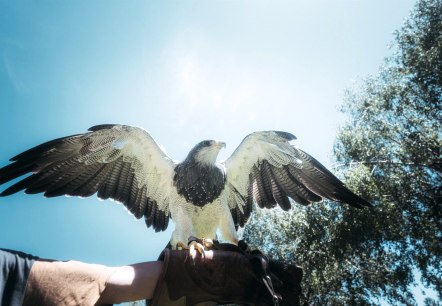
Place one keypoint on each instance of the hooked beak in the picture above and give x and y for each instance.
(220, 144)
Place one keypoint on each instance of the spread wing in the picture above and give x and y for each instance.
(268, 170)
(119, 162)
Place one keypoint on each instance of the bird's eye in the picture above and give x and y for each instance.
(207, 143)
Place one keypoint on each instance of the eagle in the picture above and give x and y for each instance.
(201, 195)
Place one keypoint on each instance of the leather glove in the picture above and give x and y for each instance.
(227, 274)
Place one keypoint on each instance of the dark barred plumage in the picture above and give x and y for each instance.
(198, 183)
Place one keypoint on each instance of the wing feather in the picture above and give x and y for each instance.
(90, 186)
(259, 190)
(266, 178)
(291, 186)
(115, 161)
(278, 191)
(264, 189)
(111, 185)
(268, 169)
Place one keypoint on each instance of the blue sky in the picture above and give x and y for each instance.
(183, 70)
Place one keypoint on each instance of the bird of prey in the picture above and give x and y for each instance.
(200, 194)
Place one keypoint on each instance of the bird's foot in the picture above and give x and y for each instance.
(195, 245)
(181, 246)
(200, 245)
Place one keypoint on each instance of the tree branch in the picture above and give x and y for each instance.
(382, 162)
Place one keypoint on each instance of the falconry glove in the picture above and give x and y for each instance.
(226, 274)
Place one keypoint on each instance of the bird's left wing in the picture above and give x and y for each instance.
(268, 170)
(120, 162)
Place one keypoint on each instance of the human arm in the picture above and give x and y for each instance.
(72, 283)
(131, 283)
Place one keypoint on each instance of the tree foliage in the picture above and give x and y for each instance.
(389, 152)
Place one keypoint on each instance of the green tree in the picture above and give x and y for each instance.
(389, 152)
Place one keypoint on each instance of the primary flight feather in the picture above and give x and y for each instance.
(200, 194)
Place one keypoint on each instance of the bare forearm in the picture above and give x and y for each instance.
(131, 283)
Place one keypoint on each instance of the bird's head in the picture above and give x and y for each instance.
(206, 151)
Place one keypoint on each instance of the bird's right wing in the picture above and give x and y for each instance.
(120, 162)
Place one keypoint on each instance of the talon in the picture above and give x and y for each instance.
(194, 247)
(207, 243)
(181, 246)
